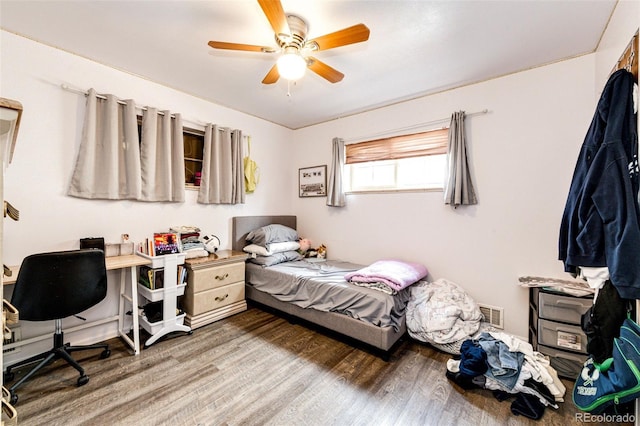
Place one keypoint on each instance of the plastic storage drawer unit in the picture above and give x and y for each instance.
(561, 336)
(567, 364)
(556, 307)
(554, 329)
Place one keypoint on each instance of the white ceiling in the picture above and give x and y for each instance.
(415, 47)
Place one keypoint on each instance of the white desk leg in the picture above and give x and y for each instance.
(134, 311)
(121, 304)
(135, 343)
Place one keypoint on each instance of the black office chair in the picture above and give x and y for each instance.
(52, 286)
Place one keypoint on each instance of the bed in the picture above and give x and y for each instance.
(367, 315)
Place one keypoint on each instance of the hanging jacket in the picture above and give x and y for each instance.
(600, 225)
(602, 322)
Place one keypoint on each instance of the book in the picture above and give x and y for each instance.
(151, 278)
(165, 243)
(143, 276)
(182, 275)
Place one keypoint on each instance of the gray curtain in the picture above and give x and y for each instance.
(335, 192)
(237, 167)
(162, 156)
(458, 189)
(108, 162)
(222, 172)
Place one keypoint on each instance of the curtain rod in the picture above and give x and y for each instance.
(85, 93)
(413, 127)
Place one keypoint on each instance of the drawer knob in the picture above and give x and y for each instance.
(220, 299)
(223, 277)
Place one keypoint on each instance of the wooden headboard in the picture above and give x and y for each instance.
(242, 225)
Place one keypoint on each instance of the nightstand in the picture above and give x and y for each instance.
(215, 287)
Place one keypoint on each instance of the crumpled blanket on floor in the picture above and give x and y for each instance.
(441, 312)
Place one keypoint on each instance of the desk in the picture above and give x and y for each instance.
(112, 263)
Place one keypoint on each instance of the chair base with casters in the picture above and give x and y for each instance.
(60, 350)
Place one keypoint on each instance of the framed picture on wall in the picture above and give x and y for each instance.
(312, 181)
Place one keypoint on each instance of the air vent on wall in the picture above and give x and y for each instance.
(493, 315)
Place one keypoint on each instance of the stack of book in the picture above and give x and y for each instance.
(153, 279)
(161, 243)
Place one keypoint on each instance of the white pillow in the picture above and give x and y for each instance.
(273, 248)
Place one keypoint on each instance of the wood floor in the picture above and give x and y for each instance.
(256, 368)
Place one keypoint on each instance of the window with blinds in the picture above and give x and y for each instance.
(408, 162)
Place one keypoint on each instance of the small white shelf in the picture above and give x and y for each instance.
(156, 295)
(158, 261)
(170, 322)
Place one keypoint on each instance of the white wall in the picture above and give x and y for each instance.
(48, 140)
(622, 26)
(523, 153)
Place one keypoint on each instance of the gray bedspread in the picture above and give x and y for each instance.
(322, 286)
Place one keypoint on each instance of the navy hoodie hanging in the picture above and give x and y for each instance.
(600, 225)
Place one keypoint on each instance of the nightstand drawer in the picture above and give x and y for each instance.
(562, 336)
(562, 308)
(214, 298)
(208, 278)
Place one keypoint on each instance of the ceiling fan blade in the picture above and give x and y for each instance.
(272, 76)
(239, 46)
(323, 70)
(355, 34)
(276, 16)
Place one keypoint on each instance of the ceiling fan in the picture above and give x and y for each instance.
(291, 37)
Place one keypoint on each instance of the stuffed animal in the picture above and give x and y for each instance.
(322, 251)
(305, 245)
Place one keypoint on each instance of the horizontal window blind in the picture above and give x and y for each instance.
(406, 146)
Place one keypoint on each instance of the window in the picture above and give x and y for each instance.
(193, 154)
(408, 162)
(193, 141)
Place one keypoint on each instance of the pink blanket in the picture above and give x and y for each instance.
(396, 274)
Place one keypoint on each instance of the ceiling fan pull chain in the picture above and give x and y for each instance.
(288, 88)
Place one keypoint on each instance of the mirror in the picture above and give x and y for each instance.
(10, 114)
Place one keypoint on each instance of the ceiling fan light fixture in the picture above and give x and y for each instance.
(290, 32)
(291, 66)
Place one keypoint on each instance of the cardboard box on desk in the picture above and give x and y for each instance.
(122, 249)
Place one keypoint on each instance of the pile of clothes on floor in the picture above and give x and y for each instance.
(510, 368)
(443, 315)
